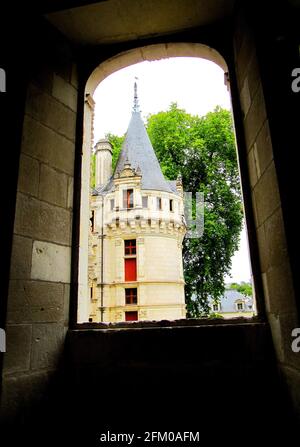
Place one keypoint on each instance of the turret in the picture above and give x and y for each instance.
(137, 271)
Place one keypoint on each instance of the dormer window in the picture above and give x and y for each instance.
(240, 306)
(128, 198)
(216, 307)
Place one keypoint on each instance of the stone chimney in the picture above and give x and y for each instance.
(103, 152)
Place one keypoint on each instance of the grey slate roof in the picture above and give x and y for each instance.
(138, 151)
(227, 302)
(172, 185)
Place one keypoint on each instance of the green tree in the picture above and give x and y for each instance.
(116, 143)
(202, 150)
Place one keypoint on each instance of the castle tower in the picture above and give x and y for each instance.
(137, 229)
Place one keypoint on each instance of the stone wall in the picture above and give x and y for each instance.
(40, 270)
(39, 290)
(274, 261)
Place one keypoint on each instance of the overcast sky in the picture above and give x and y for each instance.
(195, 84)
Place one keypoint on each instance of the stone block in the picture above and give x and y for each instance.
(74, 76)
(266, 194)
(67, 292)
(254, 207)
(50, 112)
(245, 97)
(62, 63)
(47, 345)
(42, 221)
(276, 241)
(255, 118)
(21, 257)
(43, 76)
(28, 181)
(64, 92)
(70, 192)
(244, 55)
(253, 76)
(157, 52)
(35, 301)
(276, 335)
(263, 249)
(256, 161)
(280, 293)
(47, 146)
(51, 262)
(27, 215)
(53, 186)
(264, 147)
(18, 346)
(252, 168)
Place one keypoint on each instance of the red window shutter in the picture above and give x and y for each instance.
(131, 316)
(130, 269)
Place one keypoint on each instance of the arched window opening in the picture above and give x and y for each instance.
(146, 258)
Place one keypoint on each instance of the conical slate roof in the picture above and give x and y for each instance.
(138, 151)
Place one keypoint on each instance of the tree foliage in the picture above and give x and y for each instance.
(202, 150)
(244, 287)
(116, 143)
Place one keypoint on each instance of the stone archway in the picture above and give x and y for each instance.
(119, 61)
(152, 53)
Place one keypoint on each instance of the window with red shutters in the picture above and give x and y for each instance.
(131, 296)
(131, 316)
(130, 269)
(130, 247)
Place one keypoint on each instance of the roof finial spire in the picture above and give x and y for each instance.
(136, 107)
